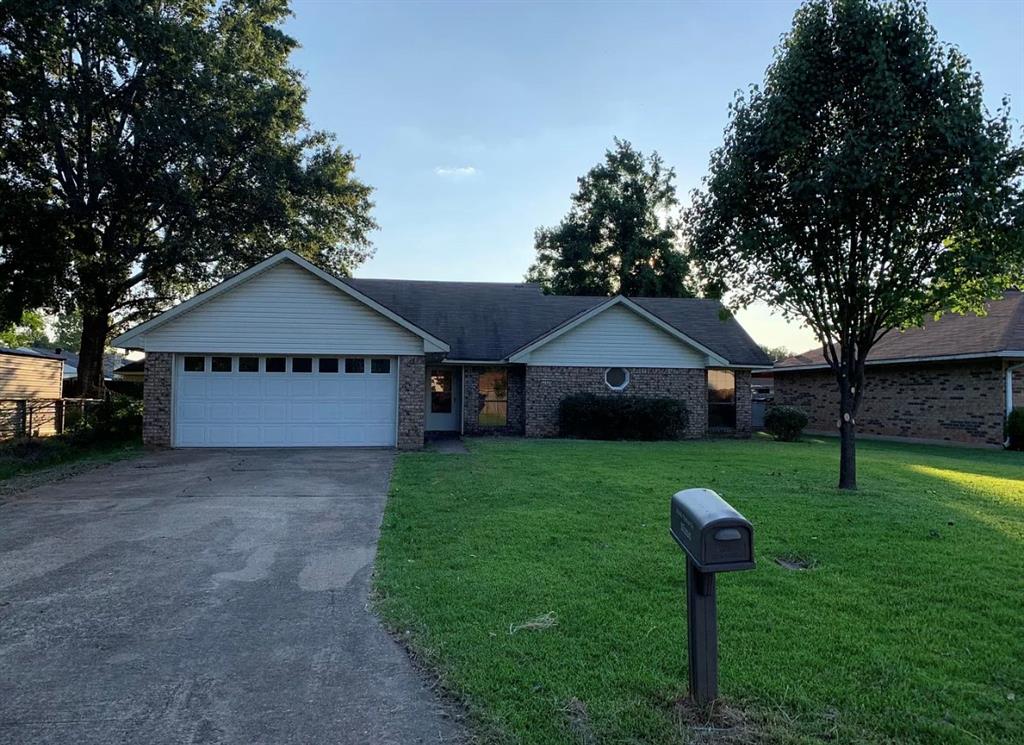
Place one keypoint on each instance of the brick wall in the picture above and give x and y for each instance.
(955, 402)
(516, 401)
(547, 386)
(411, 394)
(1018, 388)
(744, 399)
(156, 399)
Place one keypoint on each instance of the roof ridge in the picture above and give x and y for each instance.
(440, 281)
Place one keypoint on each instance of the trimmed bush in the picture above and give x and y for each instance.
(785, 423)
(1015, 429)
(592, 417)
(118, 418)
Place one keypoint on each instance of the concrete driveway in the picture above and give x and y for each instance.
(205, 596)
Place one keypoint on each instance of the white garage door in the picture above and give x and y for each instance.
(277, 401)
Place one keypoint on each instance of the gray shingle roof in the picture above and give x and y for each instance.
(1001, 331)
(490, 321)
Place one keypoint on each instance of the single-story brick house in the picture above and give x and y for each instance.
(286, 354)
(953, 380)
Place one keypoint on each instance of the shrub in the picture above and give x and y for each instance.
(592, 417)
(1015, 429)
(785, 423)
(116, 419)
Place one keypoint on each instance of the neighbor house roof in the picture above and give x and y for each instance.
(1000, 333)
(484, 321)
(29, 352)
(110, 360)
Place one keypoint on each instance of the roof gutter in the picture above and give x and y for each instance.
(1011, 353)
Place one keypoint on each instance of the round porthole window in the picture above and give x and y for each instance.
(616, 378)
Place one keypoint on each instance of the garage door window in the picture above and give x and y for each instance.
(275, 364)
(354, 365)
(302, 364)
(248, 364)
(328, 365)
(195, 364)
(381, 367)
(221, 364)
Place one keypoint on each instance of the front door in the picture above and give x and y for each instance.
(444, 399)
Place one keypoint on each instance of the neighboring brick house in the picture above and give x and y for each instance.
(953, 380)
(285, 354)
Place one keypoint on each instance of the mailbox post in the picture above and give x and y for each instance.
(716, 538)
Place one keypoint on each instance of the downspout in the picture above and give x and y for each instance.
(1009, 395)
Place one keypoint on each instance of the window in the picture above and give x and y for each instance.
(221, 364)
(275, 364)
(328, 365)
(441, 392)
(493, 393)
(302, 364)
(721, 399)
(616, 378)
(382, 367)
(248, 364)
(195, 364)
(354, 365)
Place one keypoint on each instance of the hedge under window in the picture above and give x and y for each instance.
(493, 392)
(721, 399)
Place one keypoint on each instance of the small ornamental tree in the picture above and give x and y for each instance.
(864, 186)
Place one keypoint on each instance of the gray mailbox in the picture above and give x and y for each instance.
(714, 535)
(716, 538)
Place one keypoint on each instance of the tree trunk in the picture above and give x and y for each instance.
(847, 456)
(95, 327)
(847, 435)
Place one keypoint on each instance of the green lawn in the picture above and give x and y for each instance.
(908, 628)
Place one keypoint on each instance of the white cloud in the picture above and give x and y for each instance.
(456, 172)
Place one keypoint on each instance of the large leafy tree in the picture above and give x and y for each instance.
(622, 233)
(151, 147)
(29, 331)
(864, 186)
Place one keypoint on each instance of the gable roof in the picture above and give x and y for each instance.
(490, 321)
(129, 337)
(953, 336)
(619, 300)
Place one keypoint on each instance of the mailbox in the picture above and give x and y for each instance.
(715, 536)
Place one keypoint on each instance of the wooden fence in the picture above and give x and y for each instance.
(41, 417)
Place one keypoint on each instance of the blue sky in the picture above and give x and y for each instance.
(472, 120)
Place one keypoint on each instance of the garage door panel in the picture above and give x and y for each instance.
(284, 409)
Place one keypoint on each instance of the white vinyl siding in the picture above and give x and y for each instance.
(285, 310)
(617, 337)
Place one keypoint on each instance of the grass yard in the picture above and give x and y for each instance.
(26, 456)
(909, 627)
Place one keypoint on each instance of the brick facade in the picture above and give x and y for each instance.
(1018, 388)
(949, 401)
(744, 401)
(547, 386)
(412, 391)
(156, 399)
(516, 401)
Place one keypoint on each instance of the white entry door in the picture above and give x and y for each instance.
(279, 401)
